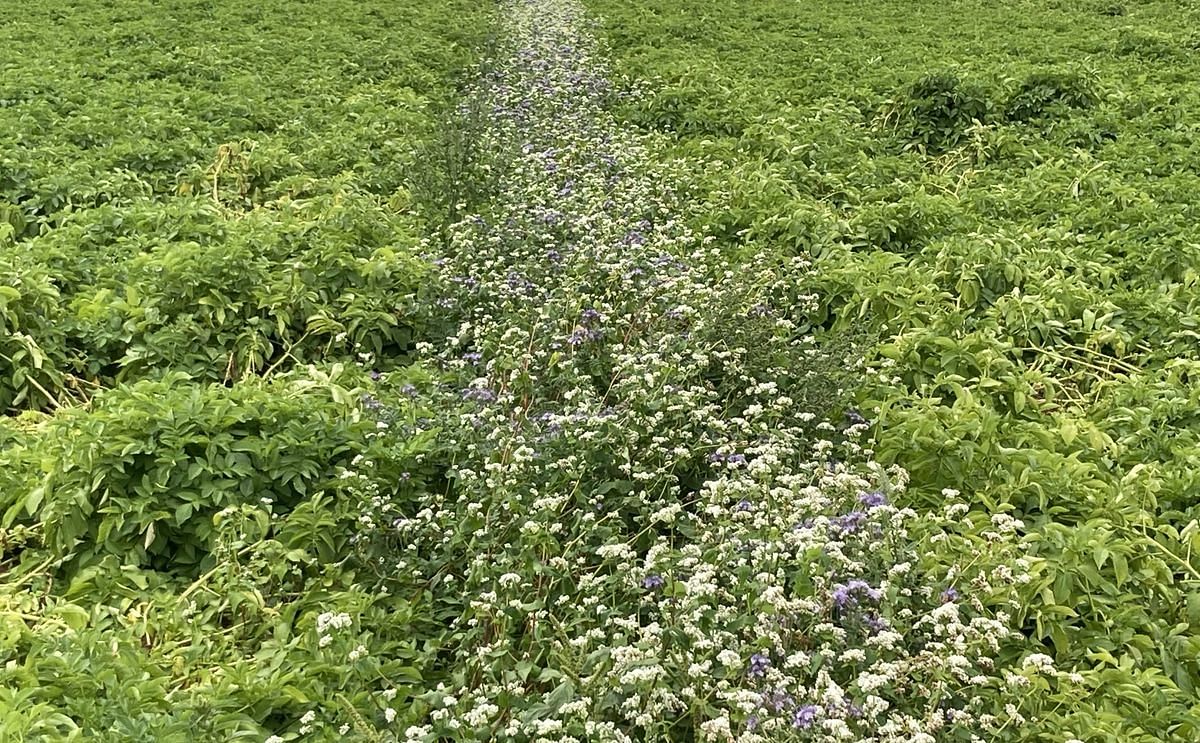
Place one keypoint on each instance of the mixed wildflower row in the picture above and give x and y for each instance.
(648, 531)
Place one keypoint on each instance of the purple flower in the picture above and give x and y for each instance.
(375, 375)
(759, 664)
(847, 595)
(805, 716)
(872, 498)
(652, 582)
(949, 595)
(848, 523)
(777, 700)
(743, 505)
(479, 394)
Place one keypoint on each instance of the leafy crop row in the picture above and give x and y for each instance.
(206, 190)
(212, 221)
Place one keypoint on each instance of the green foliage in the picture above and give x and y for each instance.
(331, 273)
(163, 209)
(1043, 93)
(31, 345)
(935, 112)
(1016, 224)
(146, 471)
(209, 231)
(129, 640)
(1148, 43)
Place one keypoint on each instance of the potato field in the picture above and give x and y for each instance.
(590, 370)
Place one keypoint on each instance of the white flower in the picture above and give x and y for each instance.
(1040, 662)
(716, 729)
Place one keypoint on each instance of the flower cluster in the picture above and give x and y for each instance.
(648, 527)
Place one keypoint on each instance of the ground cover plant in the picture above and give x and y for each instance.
(551, 370)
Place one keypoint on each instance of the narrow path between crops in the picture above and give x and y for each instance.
(656, 538)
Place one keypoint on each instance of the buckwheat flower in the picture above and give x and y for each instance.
(667, 514)
(389, 715)
(1040, 662)
(273, 739)
(329, 620)
(717, 729)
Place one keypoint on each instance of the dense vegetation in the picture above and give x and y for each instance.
(684, 371)
(1005, 194)
(198, 201)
